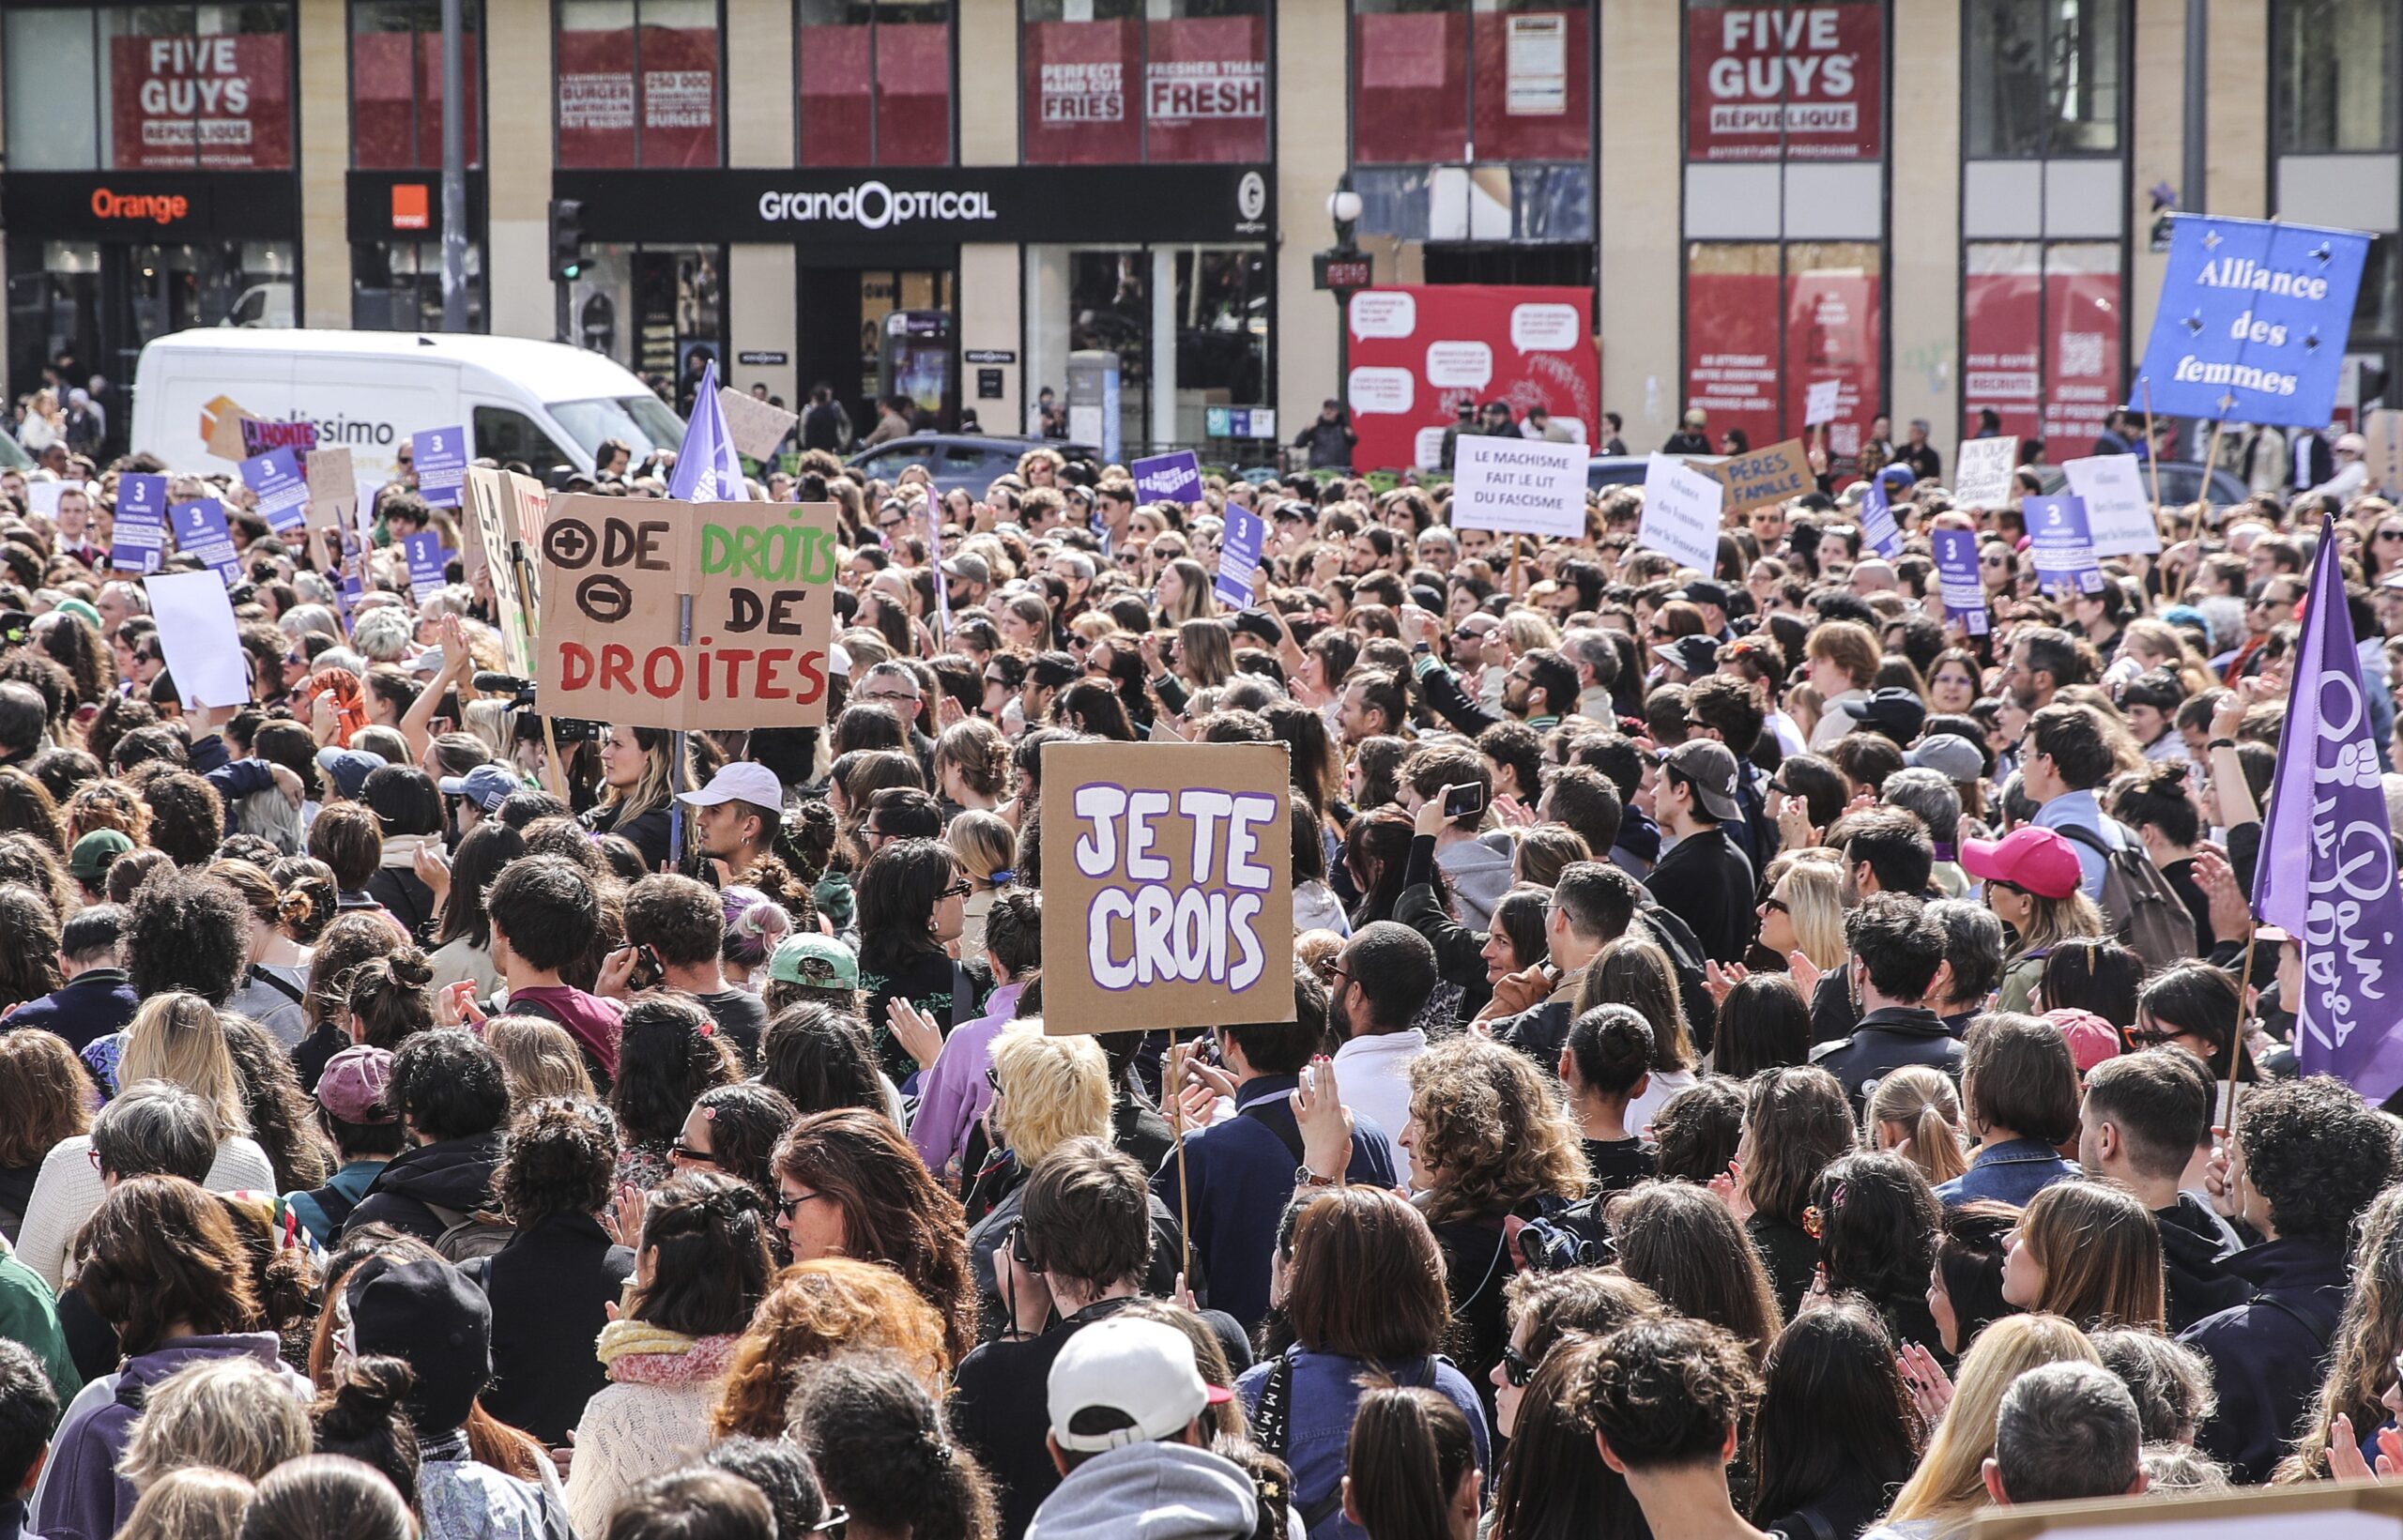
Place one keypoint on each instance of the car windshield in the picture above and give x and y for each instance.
(643, 423)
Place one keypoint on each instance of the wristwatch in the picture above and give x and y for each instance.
(2219, 744)
(1305, 1177)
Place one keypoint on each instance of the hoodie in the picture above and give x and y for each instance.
(592, 1020)
(1150, 1491)
(451, 1173)
(1481, 874)
(2196, 1244)
(81, 1497)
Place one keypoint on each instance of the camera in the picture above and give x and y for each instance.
(1561, 1240)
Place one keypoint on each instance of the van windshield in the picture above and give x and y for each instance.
(643, 423)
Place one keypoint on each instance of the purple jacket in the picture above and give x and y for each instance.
(81, 1496)
(955, 1093)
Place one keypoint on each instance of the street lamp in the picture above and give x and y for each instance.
(1346, 267)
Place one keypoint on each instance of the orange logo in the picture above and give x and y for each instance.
(409, 206)
(158, 207)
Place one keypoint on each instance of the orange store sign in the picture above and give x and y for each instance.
(156, 207)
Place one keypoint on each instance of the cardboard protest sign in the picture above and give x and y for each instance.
(1680, 512)
(756, 427)
(2118, 509)
(488, 529)
(1521, 486)
(258, 436)
(1168, 868)
(526, 508)
(1819, 402)
(2064, 550)
(2316, 1510)
(138, 541)
(1764, 477)
(1168, 479)
(1982, 477)
(276, 480)
(618, 642)
(1956, 570)
(1239, 549)
(224, 437)
(2383, 431)
(2252, 323)
(199, 530)
(334, 490)
(197, 637)
(441, 460)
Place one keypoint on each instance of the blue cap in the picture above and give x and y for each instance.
(350, 768)
(485, 786)
(2186, 614)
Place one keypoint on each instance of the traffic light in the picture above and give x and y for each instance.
(567, 238)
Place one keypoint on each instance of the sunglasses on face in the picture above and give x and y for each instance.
(681, 1150)
(1773, 905)
(787, 1206)
(960, 889)
(1517, 1367)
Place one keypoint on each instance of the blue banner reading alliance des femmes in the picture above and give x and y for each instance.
(2253, 321)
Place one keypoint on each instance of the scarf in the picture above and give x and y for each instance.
(638, 1353)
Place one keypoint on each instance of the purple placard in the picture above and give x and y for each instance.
(199, 530)
(1878, 525)
(1956, 567)
(2064, 548)
(138, 542)
(1169, 478)
(441, 456)
(1239, 550)
(425, 555)
(281, 486)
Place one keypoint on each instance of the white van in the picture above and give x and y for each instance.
(544, 404)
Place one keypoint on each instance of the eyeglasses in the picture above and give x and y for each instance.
(681, 1150)
(787, 1206)
(2390, 534)
(993, 1078)
(1774, 904)
(835, 1525)
(1517, 1367)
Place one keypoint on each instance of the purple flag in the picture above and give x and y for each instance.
(2327, 870)
(707, 470)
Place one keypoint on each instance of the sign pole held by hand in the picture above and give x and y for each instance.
(1184, 1194)
(2152, 453)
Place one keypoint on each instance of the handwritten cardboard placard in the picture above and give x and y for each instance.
(2384, 431)
(259, 435)
(615, 577)
(2314, 1510)
(1168, 868)
(1982, 475)
(1764, 477)
(756, 427)
(1519, 486)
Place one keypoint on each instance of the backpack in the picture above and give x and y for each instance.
(2138, 903)
(468, 1236)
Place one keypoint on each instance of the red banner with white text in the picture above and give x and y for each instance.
(215, 103)
(1415, 354)
(1793, 82)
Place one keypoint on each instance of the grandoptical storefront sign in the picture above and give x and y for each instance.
(950, 204)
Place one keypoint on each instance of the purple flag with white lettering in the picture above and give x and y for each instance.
(706, 469)
(2327, 867)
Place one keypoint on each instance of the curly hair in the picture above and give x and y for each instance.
(880, 1446)
(821, 1057)
(746, 1119)
(347, 944)
(2316, 1153)
(894, 1211)
(669, 1053)
(160, 1251)
(187, 930)
(27, 807)
(815, 1310)
(28, 945)
(392, 996)
(186, 815)
(1879, 1220)
(29, 863)
(282, 1120)
(44, 1097)
(2369, 1336)
(560, 1157)
(1493, 1130)
(1667, 1391)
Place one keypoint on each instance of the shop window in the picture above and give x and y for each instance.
(1130, 82)
(1189, 325)
(875, 82)
(1802, 80)
(396, 285)
(1759, 314)
(396, 83)
(102, 302)
(658, 310)
(640, 84)
(2335, 64)
(1438, 81)
(2044, 77)
(2041, 330)
(151, 88)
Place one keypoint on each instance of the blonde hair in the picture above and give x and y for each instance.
(1918, 1102)
(178, 1037)
(233, 1413)
(984, 843)
(1949, 1483)
(196, 1503)
(1052, 1089)
(1529, 630)
(537, 1059)
(1814, 905)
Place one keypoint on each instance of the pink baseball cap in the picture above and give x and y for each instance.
(2036, 860)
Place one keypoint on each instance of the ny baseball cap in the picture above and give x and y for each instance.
(357, 1084)
(2034, 858)
(739, 781)
(1695, 655)
(1709, 768)
(1142, 1371)
(820, 962)
(486, 786)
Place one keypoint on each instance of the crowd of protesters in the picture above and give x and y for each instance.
(1765, 1057)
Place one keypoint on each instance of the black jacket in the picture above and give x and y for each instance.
(1887, 1039)
(2267, 1356)
(451, 1173)
(550, 1290)
(1706, 881)
(1789, 1254)
(2196, 1246)
(91, 1005)
(410, 900)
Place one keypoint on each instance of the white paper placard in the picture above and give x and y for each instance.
(196, 634)
(1983, 477)
(1519, 486)
(2118, 509)
(1680, 512)
(1819, 402)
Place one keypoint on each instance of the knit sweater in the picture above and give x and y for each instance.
(653, 1417)
(68, 1192)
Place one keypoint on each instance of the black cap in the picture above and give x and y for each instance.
(428, 1314)
(1897, 712)
(1703, 591)
(1696, 655)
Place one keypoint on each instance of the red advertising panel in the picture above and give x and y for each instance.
(1416, 353)
(679, 96)
(1410, 96)
(383, 101)
(913, 94)
(834, 79)
(1205, 89)
(596, 97)
(1732, 315)
(1793, 82)
(597, 94)
(217, 103)
(1533, 78)
(2002, 326)
(2081, 353)
(1831, 333)
(1077, 111)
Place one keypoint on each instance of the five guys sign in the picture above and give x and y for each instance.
(1801, 83)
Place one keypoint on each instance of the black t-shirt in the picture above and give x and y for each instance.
(742, 1015)
(1620, 1163)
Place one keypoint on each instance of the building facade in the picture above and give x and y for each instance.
(1947, 205)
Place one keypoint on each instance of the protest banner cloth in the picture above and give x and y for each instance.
(1878, 525)
(615, 577)
(441, 455)
(199, 530)
(2064, 550)
(275, 479)
(1239, 549)
(1763, 477)
(756, 427)
(1819, 402)
(260, 435)
(1680, 513)
(2383, 430)
(425, 557)
(1168, 872)
(2327, 868)
(198, 638)
(1982, 476)
(2252, 323)
(1956, 570)
(2119, 513)
(138, 541)
(706, 468)
(1168, 479)
(1523, 486)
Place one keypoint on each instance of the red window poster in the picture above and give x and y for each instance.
(1533, 83)
(679, 96)
(429, 97)
(834, 80)
(1410, 95)
(914, 94)
(1076, 91)
(1731, 341)
(215, 103)
(1416, 353)
(2081, 351)
(678, 92)
(1831, 333)
(383, 101)
(2001, 338)
(1205, 89)
(1800, 82)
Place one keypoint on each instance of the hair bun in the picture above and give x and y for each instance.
(766, 920)
(411, 969)
(368, 1398)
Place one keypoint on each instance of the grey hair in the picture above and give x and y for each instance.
(157, 1128)
(1973, 940)
(132, 594)
(273, 817)
(2067, 1431)
(1588, 647)
(1928, 793)
(2170, 1383)
(301, 619)
(384, 634)
(230, 1414)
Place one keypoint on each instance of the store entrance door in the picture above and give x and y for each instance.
(847, 316)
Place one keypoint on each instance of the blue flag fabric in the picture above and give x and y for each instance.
(707, 470)
(2327, 867)
(2252, 324)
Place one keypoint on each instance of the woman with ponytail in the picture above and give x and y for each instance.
(1916, 1113)
(755, 924)
(275, 987)
(1411, 1472)
(884, 1452)
(391, 999)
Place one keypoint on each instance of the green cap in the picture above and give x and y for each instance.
(820, 962)
(83, 608)
(93, 854)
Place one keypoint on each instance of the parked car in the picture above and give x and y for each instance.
(957, 460)
(1627, 470)
(2180, 483)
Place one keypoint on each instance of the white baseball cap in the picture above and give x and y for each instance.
(741, 781)
(1140, 1369)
